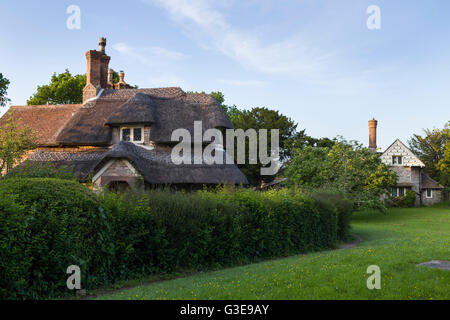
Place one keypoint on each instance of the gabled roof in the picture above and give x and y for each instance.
(139, 109)
(398, 148)
(173, 109)
(46, 121)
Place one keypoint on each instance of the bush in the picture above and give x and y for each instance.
(408, 201)
(14, 263)
(343, 207)
(32, 169)
(50, 224)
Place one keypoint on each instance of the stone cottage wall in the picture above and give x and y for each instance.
(437, 197)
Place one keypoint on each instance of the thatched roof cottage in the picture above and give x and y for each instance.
(120, 134)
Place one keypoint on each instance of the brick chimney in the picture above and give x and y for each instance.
(373, 135)
(97, 71)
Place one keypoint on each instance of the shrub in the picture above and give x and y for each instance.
(343, 207)
(60, 223)
(407, 201)
(50, 224)
(14, 263)
(32, 169)
(410, 199)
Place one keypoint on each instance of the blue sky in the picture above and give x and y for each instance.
(314, 60)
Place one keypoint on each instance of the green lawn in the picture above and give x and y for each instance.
(395, 242)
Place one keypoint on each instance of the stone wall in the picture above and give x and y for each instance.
(436, 197)
(408, 175)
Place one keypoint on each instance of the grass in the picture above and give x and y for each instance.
(396, 242)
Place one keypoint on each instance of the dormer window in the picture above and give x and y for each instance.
(397, 160)
(132, 134)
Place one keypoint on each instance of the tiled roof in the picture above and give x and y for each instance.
(46, 121)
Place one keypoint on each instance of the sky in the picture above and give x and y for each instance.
(315, 61)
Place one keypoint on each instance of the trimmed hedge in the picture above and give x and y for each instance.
(49, 224)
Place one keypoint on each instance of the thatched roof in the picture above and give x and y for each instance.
(46, 121)
(171, 109)
(139, 109)
(155, 165)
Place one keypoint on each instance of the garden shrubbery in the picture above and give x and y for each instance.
(33, 169)
(407, 201)
(50, 224)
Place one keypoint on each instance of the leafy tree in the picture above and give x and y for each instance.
(430, 148)
(64, 88)
(264, 118)
(220, 98)
(346, 166)
(4, 83)
(15, 141)
(308, 167)
(444, 166)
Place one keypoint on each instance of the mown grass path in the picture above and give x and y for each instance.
(396, 242)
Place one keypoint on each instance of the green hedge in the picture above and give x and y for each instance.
(49, 224)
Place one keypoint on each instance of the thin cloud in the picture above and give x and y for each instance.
(151, 56)
(287, 57)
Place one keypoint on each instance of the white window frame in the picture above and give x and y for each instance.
(397, 189)
(431, 193)
(132, 133)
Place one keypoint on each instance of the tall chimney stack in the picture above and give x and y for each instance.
(97, 71)
(373, 135)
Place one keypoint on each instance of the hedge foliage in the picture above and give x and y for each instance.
(50, 224)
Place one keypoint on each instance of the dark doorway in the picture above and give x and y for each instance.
(118, 186)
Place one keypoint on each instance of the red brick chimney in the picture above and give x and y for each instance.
(97, 71)
(373, 135)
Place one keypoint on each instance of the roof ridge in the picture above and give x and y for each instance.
(47, 106)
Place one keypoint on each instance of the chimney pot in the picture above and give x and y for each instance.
(102, 45)
(110, 78)
(373, 135)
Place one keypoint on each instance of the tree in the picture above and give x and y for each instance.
(444, 166)
(308, 167)
(64, 88)
(346, 166)
(4, 83)
(15, 141)
(264, 118)
(430, 148)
